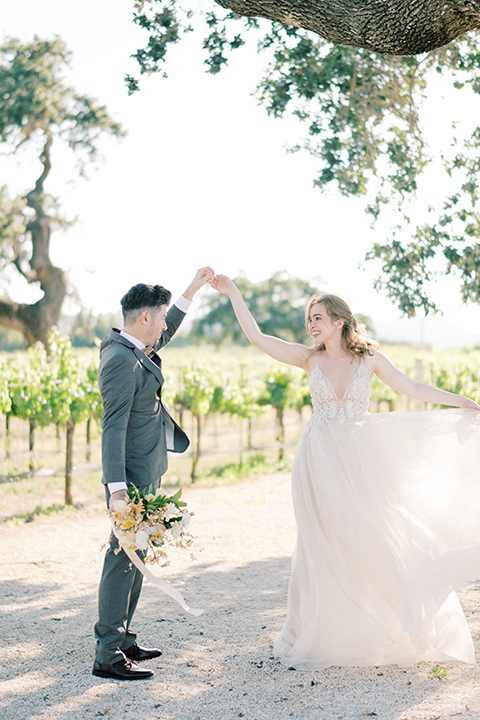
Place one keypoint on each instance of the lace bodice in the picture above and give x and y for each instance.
(327, 407)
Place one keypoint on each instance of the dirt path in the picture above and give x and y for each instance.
(217, 666)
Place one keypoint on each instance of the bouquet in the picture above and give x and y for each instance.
(150, 521)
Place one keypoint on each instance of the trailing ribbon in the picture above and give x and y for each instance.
(162, 585)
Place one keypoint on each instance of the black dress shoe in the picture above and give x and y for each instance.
(137, 653)
(121, 670)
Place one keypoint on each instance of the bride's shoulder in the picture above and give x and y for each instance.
(311, 359)
(373, 358)
(378, 361)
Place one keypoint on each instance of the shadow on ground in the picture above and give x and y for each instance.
(216, 666)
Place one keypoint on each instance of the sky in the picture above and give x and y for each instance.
(202, 178)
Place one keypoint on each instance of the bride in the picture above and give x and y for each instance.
(387, 506)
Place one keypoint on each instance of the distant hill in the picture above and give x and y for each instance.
(430, 331)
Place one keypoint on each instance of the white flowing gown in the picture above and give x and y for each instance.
(388, 515)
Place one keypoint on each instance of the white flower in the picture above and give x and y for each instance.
(185, 521)
(179, 527)
(141, 539)
(170, 511)
(177, 530)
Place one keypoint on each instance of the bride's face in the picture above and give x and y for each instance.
(320, 325)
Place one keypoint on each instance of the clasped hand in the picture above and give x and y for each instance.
(223, 284)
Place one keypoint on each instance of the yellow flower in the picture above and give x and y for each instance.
(128, 523)
(128, 540)
(136, 508)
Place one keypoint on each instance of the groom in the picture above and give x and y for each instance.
(137, 431)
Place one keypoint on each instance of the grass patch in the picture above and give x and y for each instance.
(29, 516)
(232, 472)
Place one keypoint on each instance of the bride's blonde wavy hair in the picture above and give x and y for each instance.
(353, 333)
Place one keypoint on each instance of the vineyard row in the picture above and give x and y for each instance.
(60, 389)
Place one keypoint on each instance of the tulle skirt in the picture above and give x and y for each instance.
(388, 517)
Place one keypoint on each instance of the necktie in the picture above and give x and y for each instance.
(152, 355)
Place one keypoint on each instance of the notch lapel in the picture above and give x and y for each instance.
(149, 364)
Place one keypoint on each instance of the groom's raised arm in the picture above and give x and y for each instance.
(179, 309)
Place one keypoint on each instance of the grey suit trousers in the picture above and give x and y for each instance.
(116, 604)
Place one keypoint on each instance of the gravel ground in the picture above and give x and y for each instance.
(218, 665)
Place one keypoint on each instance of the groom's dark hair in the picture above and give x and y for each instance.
(143, 297)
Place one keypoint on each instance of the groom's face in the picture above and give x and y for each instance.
(157, 324)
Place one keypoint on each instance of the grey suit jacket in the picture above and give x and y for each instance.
(137, 430)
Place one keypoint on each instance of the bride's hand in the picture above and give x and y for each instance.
(223, 284)
(470, 404)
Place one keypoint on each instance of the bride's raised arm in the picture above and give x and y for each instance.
(286, 352)
(394, 378)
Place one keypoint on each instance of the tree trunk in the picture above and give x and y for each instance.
(69, 462)
(280, 436)
(34, 321)
(249, 433)
(7, 435)
(88, 454)
(240, 440)
(31, 443)
(196, 450)
(393, 27)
